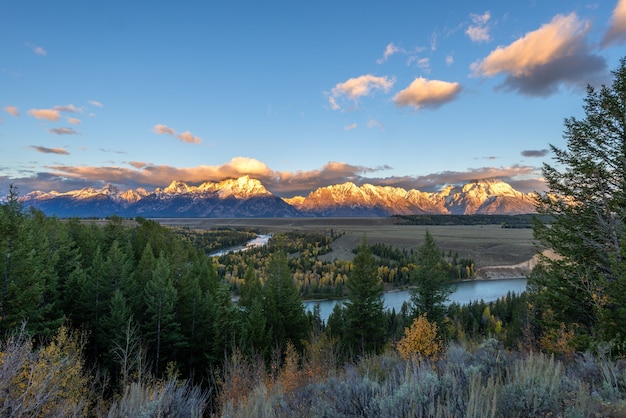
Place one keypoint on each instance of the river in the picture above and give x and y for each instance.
(466, 292)
(259, 241)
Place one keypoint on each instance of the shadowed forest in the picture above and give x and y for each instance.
(132, 318)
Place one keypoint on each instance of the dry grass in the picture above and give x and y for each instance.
(487, 245)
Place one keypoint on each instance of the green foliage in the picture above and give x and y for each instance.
(587, 198)
(431, 285)
(364, 328)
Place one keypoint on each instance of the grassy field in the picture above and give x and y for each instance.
(487, 245)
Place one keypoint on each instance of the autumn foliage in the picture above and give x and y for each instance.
(421, 340)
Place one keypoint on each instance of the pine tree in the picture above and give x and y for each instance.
(286, 317)
(587, 198)
(364, 328)
(431, 283)
(161, 329)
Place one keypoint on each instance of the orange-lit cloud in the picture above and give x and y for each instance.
(358, 87)
(73, 121)
(47, 114)
(189, 138)
(183, 137)
(617, 31)
(479, 31)
(63, 131)
(349, 127)
(163, 130)
(281, 183)
(540, 61)
(12, 110)
(427, 93)
(46, 150)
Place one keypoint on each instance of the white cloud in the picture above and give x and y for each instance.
(358, 87)
(479, 31)
(373, 123)
(38, 50)
(95, 103)
(390, 50)
(427, 93)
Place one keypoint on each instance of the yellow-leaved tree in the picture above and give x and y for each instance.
(421, 340)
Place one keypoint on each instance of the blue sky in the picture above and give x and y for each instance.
(297, 94)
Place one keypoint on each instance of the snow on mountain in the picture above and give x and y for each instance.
(248, 197)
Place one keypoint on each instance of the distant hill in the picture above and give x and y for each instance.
(247, 197)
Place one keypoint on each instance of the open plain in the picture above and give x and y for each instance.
(487, 245)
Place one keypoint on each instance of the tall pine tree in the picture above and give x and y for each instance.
(587, 197)
(365, 322)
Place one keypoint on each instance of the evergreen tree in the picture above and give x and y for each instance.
(254, 339)
(286, 317)
(161, 329)
(431, 283)
(587, 197)
(364, 329)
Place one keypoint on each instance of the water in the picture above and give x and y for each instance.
(466, 292)
(259, 241)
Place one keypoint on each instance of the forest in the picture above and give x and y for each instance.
(132, 318)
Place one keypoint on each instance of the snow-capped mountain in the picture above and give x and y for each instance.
(248, 197)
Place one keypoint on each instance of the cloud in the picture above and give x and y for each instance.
(373, 123)
(542, 60)
(617, 31)
(37, 49)
(184, 137)
(535, 153)
(63, 131)
(449, 60)
(479, 31)
(189, 138)
(349, 127)
(95, 103)
(421, 63)
(12, 110)
(163, 130)
(46, 150)
(281, 183)
(390, 50)
(67, 108)
(358, 87)
(47, 114)
(73, 121)
(427, 93)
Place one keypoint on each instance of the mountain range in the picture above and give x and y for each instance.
(248, 197)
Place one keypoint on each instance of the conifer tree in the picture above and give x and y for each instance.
(286, 317)
(364, 328)
(431, 283)
(587, 197)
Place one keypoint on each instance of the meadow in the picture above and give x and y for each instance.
(487, 245)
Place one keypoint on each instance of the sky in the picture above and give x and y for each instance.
(298, 94)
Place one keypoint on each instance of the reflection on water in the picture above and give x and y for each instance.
(466, 292)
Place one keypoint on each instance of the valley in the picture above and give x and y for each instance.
(487, 245)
